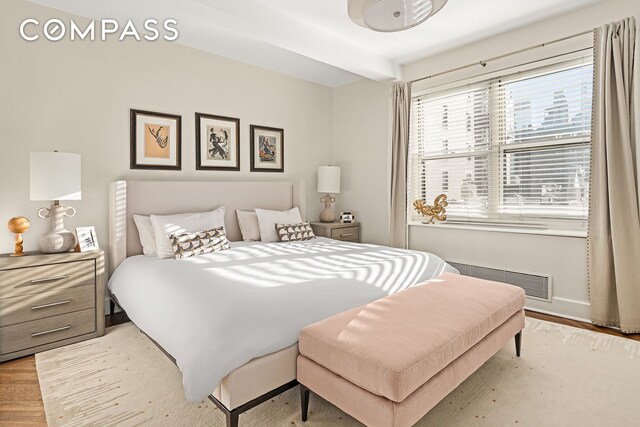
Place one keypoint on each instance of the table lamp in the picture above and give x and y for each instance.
(328, 183)
(55, 176)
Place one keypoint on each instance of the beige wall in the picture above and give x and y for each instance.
(564, 258)
(361, 148)
(76, 96)
(561, 26)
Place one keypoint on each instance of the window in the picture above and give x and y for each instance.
(514, 149)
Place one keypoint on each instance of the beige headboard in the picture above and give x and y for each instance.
(127, 198)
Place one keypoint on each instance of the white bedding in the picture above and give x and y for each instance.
(216, 312)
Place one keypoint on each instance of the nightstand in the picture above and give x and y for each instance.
(348, 232)
(49, 301)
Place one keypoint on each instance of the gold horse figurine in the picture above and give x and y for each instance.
(437, 211)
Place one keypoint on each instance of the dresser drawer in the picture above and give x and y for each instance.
(45, 278)
(43, 331)
(46, 304)
(345, 233)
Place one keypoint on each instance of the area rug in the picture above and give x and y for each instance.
(565, 377)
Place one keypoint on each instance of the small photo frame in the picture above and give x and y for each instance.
(347, 217)
(267, 149)
(156, 140)
(87, 239)
(217, 143)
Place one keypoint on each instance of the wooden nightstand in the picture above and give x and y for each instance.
(349, 232)
(49, 301)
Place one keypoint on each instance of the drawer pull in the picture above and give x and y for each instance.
(53, 304)
(346, 235)
(50, 331)
(50, 279)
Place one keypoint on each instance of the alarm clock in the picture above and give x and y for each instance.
(347, 217)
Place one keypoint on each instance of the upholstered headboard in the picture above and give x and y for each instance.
(127, 198)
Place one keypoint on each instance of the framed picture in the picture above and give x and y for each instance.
(87, 239)
(156, 140)
(217, 143)
(347, 217)
(267, 149)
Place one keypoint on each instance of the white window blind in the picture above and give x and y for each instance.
(514, 149)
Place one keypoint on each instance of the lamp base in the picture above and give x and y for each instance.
(57, 239)
(327, 215)
(55, 242)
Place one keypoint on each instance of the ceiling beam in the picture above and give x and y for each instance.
(226, 27)
(278, 29)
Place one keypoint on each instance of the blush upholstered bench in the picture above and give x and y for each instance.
(389, 362)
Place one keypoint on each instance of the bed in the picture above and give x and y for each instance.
(231, 320)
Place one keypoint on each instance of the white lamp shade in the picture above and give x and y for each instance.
(55, 176)
(329, 179)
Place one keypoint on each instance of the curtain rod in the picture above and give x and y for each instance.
(484, 62)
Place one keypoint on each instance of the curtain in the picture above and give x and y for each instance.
(401, 104)
(614, 209)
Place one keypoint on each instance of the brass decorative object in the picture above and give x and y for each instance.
(18, 225)
(434, 212)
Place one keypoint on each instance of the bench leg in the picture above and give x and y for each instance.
(232, 419)
(518, 343)
(304, 402)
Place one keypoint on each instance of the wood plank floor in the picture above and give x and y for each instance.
(581, 325)
(21, 401)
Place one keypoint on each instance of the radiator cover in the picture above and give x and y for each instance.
(536, 286)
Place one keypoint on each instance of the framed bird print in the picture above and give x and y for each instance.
(267, 149)
(156, 140)
(217, 143)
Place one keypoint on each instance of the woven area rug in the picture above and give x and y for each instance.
(566, 377)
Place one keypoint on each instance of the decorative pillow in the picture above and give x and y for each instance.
(186, 245)
(267, 219)
(249, 227)
(147, 236)
(166, 225)
(293, 232)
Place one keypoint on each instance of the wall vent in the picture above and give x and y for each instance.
(536, 286)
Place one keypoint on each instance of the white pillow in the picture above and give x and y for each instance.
(147, 235)
(268, 219)
(249, 227)
(166, 225)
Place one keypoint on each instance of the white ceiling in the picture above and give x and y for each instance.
(315, 39)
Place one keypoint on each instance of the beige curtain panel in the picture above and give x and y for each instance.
(399, 150)
(614, 217)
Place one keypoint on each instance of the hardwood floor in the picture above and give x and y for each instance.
(116, 319)
(582, 325)
(20, 398)
(21, 401)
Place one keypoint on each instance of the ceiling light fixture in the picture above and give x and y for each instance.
(392, 15)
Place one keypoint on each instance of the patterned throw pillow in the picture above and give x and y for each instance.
(294, 232)
(186, 245)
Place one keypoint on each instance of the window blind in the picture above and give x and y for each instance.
(513, 149)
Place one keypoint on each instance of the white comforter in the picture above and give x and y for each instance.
(216, 312)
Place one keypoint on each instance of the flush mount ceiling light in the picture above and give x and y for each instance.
(392, 15)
